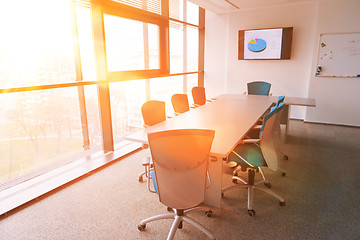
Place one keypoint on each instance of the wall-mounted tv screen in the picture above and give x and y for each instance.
(274, 43)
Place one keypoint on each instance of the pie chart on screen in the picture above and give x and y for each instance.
(257, 45)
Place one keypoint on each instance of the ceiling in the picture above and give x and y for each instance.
(224, 6)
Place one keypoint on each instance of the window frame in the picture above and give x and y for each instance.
(101, 7)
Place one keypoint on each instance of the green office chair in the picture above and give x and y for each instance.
(180, 103)
(153, 112)
(258, 88)
(180, 173)
(252, 154)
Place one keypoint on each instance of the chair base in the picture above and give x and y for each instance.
(250, 187)
(179, 216)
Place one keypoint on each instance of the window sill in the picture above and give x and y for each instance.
(22, 193)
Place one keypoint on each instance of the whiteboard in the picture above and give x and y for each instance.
(339, 55)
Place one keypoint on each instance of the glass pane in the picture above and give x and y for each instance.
(92, 114)
(124, 39)
(192, 81)
(86, 43)
(192, 49)
(192, 13)
(163, 88)
(148, 5)
(38, 129)
(176, 47)
(34, 51)
(176, 9)
(126, 100)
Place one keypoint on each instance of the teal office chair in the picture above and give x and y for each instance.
(180, 103)
(258, 88)
(277, 130)
(275, 135)
(252, 154)
(153, 112)
(180, 173)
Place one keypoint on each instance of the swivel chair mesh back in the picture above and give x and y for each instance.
(199, 96)
(153, 112)
(180, 161)
(180, 103)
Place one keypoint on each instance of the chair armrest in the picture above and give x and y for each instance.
(146, 161)
(250, 140)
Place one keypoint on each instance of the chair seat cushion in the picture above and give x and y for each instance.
(250, 152)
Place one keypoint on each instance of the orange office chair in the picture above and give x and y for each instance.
(180, 103)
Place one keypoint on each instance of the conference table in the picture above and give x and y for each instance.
(231, 116)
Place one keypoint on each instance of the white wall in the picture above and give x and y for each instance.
(215, 54)
(288, 77)
(337, 99)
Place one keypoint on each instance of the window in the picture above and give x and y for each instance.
(67, 55)
(130, 44)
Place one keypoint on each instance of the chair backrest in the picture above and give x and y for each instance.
(276, 129)
(280, 100)
(199, 96)
(180, 103)
(258, 88)
(153, 112)
(180, 161)
(266, 140)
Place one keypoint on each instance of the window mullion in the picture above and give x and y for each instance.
(201, 46)
(101, 68)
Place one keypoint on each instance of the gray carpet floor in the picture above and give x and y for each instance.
(321, 189)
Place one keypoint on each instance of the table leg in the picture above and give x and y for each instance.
(213, 189)
(285, 119)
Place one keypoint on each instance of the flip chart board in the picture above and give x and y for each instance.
(339, 55)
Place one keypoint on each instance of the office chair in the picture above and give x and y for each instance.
(275, 134)
(199, 96)
(180, 103)
(258, 88)
(180, 172)
(153, 112)
(252, 154)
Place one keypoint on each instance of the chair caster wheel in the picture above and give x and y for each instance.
(180, 225)
(283, 174)
(234, 181)
(282, 204)
(208, 213)
(286, 157)
(235, 174)
(170, 209)
(251, 212)
(141, 179)
(141, 227)
(222, 194)
(267, 184)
